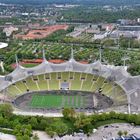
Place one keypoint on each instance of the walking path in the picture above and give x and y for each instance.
(110, 131)
(6, 137)
(38, 114)
(42, 114)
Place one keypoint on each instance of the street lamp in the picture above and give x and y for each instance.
(100, 53)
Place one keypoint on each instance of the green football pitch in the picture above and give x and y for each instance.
(57, 101)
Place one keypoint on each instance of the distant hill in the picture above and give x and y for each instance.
(94, 2)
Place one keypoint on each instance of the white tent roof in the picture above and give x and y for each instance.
(129, 83)
(119, 73)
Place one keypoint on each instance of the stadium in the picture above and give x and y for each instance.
(51, 87)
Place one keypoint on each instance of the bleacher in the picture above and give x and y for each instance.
(42, 82)
(76, 80)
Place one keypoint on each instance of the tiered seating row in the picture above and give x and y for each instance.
(77, 81)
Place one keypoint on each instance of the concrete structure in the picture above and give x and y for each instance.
(118, 74)
(78, 31)
(3, 45)
(9, 30)
(88, 28)
(129, 28)
(100, 35)
(127, 34)
(125, 22)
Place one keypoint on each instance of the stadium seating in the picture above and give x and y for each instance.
(53, 82)
(31, 84)
(76, 80)
(42, 82)
(21, 86)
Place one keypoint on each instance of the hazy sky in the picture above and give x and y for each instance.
(73, 1)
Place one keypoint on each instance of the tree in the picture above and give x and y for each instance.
(23, 131)
(125, 133)
(35, 137)
(58, 128)
(69, 113)
(15, 122)
(112, 114)
(108, 42)
(50, 133)
(19, 138)
(43, 124)
(120, 133)
(25, 137)
(134, 69)
(137, 120)
(34, 122)
(83, 122)
(6, 110)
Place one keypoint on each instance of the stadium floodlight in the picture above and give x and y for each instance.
(124, 59)
(129, 103)
(44, 57)
(17, 64)
(72, 53)
(100, 54)
(1, 66)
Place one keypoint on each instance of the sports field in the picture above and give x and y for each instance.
(57, 101)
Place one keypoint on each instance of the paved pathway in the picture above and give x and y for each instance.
(6, 137)
(42, 114)
(38, 114)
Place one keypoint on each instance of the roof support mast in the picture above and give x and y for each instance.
(44, 57)
(100, 53)
(17, 63)
(72, 53)
(124, 59)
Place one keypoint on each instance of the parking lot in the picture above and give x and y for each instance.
(110, 131)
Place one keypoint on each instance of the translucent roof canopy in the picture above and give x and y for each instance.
(118, 74)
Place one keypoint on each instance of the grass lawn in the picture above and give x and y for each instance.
(55, 101)
(29, 65)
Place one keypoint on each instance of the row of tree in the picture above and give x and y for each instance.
(97, 15)
(71, 122)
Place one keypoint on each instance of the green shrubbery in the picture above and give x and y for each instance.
(86, 51)
(22, 126)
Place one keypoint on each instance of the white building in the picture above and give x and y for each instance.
(100, 35)
(78, 31)
(128, 34)
(9, 30)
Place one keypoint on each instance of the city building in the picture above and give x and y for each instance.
(127, 34)
(101, 35)
(9, 30)
(129, 28)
